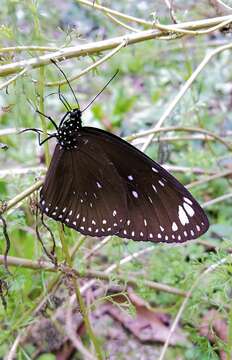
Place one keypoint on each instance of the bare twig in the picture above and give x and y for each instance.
(91, 67)
(100, 46)
(217, 200)
(72, 333)
(183, 305)
(8, 82)
(220, 7)
(184, 89)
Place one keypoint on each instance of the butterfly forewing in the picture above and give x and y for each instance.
(88, 194)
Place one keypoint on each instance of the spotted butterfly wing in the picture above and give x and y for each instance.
(101, 185)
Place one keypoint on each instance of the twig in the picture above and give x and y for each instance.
(27, 48)
(93, 274)
(108, 11)
(8, 82)
(217, 200)
(183, 305)
(22, 196)
(89, 68)
(7, 240)
(72, 334)
(220, 7)
(11, 354)
(155, 130)
(22, 171)
(128, 27)
(171, 28)
(210, 178)
(99, 46)
(184, 89)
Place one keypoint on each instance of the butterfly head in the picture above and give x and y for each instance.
(67, 133)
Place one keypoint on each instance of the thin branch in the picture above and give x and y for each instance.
(107, 10)
(94, 274)
(205, 23)
(72, 333)
(8, 82)
(155, 130)
(99, 46)
(89, 68)
(210, 178)
(171, 28)
(220, 7)
(183, 305)
(184, 89)
(10, 204)
(27, 48)
(15, 171)
(128, 27)
(217, 200)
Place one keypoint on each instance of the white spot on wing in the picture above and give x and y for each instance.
(188, 200)
(159, 236)
(74, 223)
(189, 209)
(128, 222)
(124, 232)
(155, 170)
(161, 228)
(145, 222)
(161, 183)
(130, 177)
(135, 194)
(114, 213)
(198, 227)
(141, 234)
(150, 235)
(182, 216)
(104, 221)
(174, 227)
(154, 188)
(99, 185)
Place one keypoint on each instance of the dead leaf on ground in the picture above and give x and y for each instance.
(148, 325)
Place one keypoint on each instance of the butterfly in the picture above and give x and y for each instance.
(99, 184)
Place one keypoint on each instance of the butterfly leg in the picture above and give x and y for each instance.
(47, 117)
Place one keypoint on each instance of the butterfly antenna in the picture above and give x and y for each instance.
(100, 91)
(68, 82)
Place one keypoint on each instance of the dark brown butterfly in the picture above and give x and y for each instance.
(98, 184)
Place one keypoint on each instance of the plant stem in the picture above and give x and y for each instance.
(79, 298)
(41, 108)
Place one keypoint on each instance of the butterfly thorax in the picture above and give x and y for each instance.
(67, 134)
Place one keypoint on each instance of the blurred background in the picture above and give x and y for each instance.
(150, 75)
